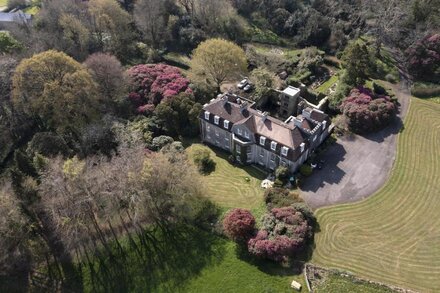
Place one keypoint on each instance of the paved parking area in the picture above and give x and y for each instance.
(356, 166)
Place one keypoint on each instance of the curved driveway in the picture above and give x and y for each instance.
(357, 166)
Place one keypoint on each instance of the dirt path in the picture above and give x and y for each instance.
(357, 166)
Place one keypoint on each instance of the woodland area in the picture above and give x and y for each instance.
(94, 116)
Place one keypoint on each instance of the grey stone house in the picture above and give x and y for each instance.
(231, 123)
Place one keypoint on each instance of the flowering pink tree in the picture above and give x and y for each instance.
(424, 58)
(239, 225)
(154, 83)
(286, 231)
(367, 111)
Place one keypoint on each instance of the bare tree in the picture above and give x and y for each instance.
(151, 18)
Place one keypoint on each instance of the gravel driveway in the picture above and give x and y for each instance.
(357, 166)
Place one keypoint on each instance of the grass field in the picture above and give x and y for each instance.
(233, 186)
(3, 2)
(393, 236)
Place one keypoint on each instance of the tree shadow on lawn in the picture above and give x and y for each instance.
(165, 265)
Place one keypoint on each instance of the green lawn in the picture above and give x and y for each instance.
(323, 88)
(233, 274)
(3, 3)
(233, 186)
(393, 236)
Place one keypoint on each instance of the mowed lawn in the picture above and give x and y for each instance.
(232, 186)
(393, 236)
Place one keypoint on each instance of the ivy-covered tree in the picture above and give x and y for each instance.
(357, 64)
(180, 115)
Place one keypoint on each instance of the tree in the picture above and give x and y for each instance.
(57, 89)
(216, 60)
(161, 141)
(152, 83)
(76, 36)
(357, 64)
(180, 115)
(8, 44)
(108, 73)
(424, 58)
(239, 225)
(47, 144)
(111, 27)
(151, 19)
(263, 80)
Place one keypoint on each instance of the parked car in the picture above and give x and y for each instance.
(249, 87)
(243, 83)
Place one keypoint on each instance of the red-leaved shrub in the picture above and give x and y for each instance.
(424, 58)
(153, 83)
(286, 231)
(367, 111)
(239, 225)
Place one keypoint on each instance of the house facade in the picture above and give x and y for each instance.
(253, 137)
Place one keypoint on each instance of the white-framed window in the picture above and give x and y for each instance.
(207, 115)
(226, 124)
(302, 146)
(216, 119)
(227, 138)
(239, 131)
(261, 152)
(238, 149)
(324, 124)
(208, 136)
(262, 140)
(273, 145)
(217, 133)
(208, 127)
(227, 145)
(284, 151)
(246, 134)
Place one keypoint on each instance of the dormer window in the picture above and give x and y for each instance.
(216, 119)
(273, 145)
(302, 146)
(226, 124)
(262, 140)
(239, 131)
(246, 134)
(324, 124)
(284, 150)
(207, 115)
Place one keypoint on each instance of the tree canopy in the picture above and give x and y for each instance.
(57, 89)
(215, 61)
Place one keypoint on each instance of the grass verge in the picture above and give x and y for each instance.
(393, 236)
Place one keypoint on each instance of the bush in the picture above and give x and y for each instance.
(378, 89)
(285, 232)
(282, 174)
(204, 162)
(151, 83)
(366, 111)
(306, 170)
(391, 78)
(280, 197)
(161, 141)
(425, 90)
(239, 225)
